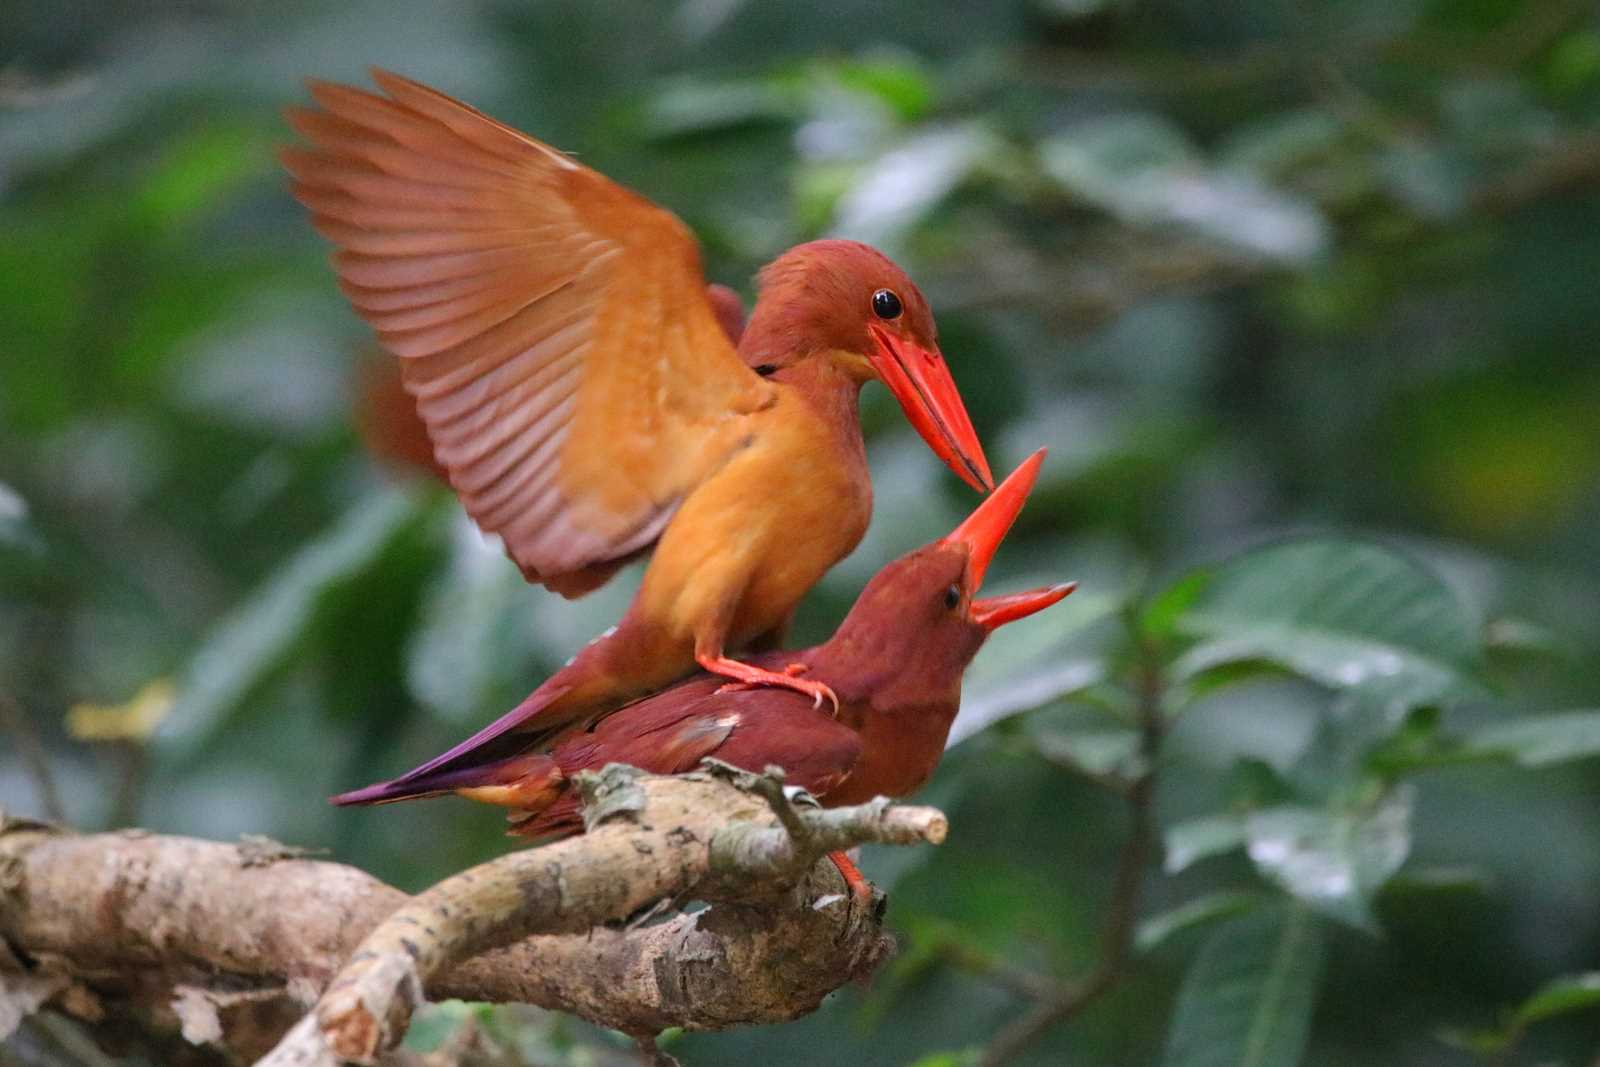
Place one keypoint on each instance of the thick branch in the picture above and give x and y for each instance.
(645, 842)
(136, 914)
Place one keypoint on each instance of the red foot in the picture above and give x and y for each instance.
(860, 888)
(746, 675)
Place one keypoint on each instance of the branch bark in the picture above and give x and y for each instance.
(189, 926)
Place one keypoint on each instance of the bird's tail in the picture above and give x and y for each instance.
(465, 765)
(528, 783)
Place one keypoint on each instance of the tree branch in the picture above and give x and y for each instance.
(197, 932)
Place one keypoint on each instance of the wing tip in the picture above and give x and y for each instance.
(389, 81)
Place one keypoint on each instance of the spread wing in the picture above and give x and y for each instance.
(554, 327)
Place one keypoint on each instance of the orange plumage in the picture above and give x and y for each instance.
(580, 388)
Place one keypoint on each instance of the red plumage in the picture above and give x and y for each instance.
(895, 662)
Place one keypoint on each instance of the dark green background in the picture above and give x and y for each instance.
(1252, 270)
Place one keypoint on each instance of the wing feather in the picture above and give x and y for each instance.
(554, 327)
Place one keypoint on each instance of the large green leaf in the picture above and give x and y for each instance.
(1158, 929)
(1142, 169)
(1346, 614)
(1333, 860)
(1032, 666)
(1108, 753)
(1208, 835)
(262, 633)
(1248, 997)
(1530, 741)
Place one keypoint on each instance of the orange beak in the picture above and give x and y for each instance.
(982, 533)
(920, 380)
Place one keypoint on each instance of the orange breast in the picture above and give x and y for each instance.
(761, 530)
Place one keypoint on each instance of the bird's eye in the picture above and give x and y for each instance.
(767, 368)
(885, 304)
(952, 597)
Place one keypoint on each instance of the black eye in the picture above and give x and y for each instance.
(952, 597)
(885, 304)
(766, 369)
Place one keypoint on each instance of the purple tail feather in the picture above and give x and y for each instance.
(470, 763)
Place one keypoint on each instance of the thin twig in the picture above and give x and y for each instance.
(652, 1054)
(769, 786)
(1065, 1001)
(34, 759)
(132, 759)
(1030, 985)
(1567, 165)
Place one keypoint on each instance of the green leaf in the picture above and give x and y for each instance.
(958, 1058)
(913, 176)
(262, 633)
(16, 528)
(1198, 839)
(1574, 63)
(1101, 753)
(1440, 882)
(1570, 992)
(1540, 740)
(1283, 142)
(1028, 670)
(199, 170)
(1526, 637)
(1559, 996)
(1345, 614)
(1416, 744)
(1159, 929)
(1160, 617)
(1143, 169)
(1254, 783)
(1247, 999)
(689, 107)
(1334, 861)
(1104, 160)
(904, 85)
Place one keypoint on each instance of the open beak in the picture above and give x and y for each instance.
(919, 379)
(993, 612)
(982, 533)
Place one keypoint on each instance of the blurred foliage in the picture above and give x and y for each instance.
(1300, 295)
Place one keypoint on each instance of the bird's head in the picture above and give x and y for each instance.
(848, 303)
(920, 620)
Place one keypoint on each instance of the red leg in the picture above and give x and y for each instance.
(744, 672)
(860, 888)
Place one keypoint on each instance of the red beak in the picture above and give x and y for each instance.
(919, 379)
(982, 533)
(994, 612)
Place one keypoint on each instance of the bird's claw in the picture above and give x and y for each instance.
(854, 880)
(747, 677)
